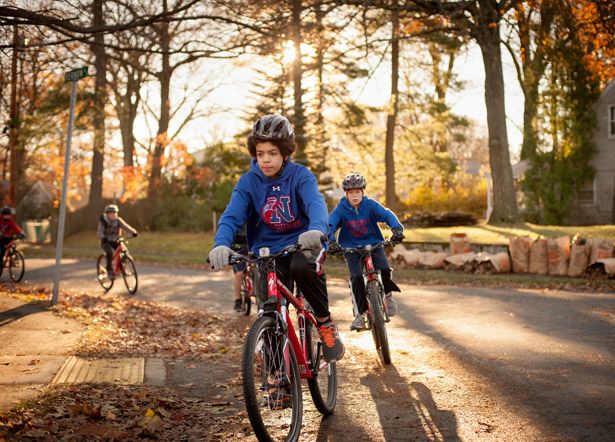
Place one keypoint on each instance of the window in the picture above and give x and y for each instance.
(586, 194)
(611, 121)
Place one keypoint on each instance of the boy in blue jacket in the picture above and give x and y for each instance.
(279, 202)
(357, 217)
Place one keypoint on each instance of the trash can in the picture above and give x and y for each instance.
(37, 231)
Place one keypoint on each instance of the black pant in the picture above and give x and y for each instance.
(302, 270)
(4, 241)
(109, 248)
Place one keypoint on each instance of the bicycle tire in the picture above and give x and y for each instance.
(16, 271)
(374, 292)
(263, 355)
(101, 273)
(129, 274)
(323, 387)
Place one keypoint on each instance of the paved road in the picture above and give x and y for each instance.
(468, 363)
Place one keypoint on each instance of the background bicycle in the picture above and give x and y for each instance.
(122, 263)
(275, 359)
(377, 315)
(14, 260)
(248, 284)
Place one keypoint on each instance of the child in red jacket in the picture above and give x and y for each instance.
(8, 229)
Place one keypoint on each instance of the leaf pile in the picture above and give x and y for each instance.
(113, 412)
(124, 326)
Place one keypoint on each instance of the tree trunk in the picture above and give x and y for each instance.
(389, 150)
(297, 73)
(504, 196)
(14, 121)
(321, 138)
(164, 77)
(98, 118)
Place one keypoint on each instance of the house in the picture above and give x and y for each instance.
(595, 203)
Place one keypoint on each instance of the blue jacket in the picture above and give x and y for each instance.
(359, 226)
(276, 210)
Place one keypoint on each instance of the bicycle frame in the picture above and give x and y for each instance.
(115, 259)
(277, 292)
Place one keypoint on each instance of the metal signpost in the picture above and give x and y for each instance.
(72, 76)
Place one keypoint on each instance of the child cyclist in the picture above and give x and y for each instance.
(8, 230)
(110, 227)
(280, 203)
(357, 217)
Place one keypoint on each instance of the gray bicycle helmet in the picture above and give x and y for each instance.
(112, 208)
(354, 181)
(273, 127)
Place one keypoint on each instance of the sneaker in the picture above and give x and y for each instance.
(391, 304)
(332, 349)
(359, 323)
(237, 305)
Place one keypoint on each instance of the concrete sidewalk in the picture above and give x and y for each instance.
(34, 343)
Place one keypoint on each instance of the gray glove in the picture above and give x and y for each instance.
(219, 256)
(311, 240)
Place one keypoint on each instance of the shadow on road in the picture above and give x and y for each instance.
(568, 396)
(408, 411)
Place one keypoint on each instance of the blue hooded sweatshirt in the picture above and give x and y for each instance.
(359, 226)
(276, 210)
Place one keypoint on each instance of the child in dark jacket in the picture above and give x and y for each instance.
(110, 228)
(280, 204)
(357, 218)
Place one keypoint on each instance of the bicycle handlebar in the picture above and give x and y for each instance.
(364, 249)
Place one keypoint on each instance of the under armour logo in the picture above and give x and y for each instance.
(274, 188)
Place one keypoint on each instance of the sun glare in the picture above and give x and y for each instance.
(288, 51)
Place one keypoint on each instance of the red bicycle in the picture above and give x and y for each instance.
(122, 263)
(247, 287)
(275, 359)
(377, 315)
(13, 260)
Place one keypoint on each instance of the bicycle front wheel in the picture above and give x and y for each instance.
(323, 386)
(129, 273)
(376, 317)
(102, 275)
(17, 266)
(271, 383)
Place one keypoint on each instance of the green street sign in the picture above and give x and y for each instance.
(76, 74)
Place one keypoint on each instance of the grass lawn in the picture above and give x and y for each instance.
(184, 248)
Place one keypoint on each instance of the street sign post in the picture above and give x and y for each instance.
(73, 76)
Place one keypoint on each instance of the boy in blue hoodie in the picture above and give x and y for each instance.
(279, 202)
(357, 217)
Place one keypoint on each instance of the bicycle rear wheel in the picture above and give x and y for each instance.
(102, 274)
(323, 387)
(246, 301)
(271, 383)
(376, 317)
(129, 273)
(17, 265)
